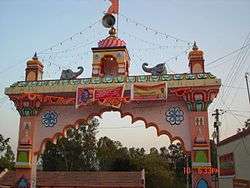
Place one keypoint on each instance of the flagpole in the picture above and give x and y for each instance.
(114, 9)
(117, 22)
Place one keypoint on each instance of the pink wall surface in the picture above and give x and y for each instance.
(152, 113)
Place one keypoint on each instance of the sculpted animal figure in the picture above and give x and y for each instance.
(157, 70)
(69, 74)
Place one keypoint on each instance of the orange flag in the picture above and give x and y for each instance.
(114, 8)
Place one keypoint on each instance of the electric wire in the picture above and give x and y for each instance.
(240, 73)
(229, 54)
(232, 73)
(238, 63)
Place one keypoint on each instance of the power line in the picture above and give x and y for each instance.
(241, 137)
(233, 87)
(238, 110)
(233, 114)
(238, 63)
(229, 54)
(239, 115)
(12, 66)
(232, 73)
(237, 91)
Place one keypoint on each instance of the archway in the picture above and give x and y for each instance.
(175, 104)
(109, 66)
(53, 138)
(202, 183)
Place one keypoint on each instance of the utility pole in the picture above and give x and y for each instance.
(217, 123)
(216, 135)
(247, 123)
(246, 76)
(187, 172)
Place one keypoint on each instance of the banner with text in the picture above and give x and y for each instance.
(111, 96)
(149, 91)
(108, 96)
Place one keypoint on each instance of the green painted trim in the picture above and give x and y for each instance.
(173, 80)
(200, 156)
(23, 156)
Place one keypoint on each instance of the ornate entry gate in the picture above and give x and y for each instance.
(175, 104)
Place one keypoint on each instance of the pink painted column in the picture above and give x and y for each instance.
(28, 109)
(200, 154)
(25, 160)
(197, 100)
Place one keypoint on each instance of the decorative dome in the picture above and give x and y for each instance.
(34, 61)
(34, 69)
(195, 53)
(111, 40)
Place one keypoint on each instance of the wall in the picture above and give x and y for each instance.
(151, 113)
(241, 151)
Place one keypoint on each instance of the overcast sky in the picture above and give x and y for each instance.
(218, 26)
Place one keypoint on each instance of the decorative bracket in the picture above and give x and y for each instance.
(29, 104)
(197, 99)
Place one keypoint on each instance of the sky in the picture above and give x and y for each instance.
(52, 28)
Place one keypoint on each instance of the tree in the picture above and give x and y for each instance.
(157, 164)
(7, 158)
(80, 151)
(137, 156)
(112, 156)
(178, 160)
(74, 153)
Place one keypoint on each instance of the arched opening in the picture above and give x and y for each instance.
(109, 66)
(132, 122)
(202, 183)
(126, 131)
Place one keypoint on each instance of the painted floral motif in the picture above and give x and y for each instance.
(49, 119)
(174, 115)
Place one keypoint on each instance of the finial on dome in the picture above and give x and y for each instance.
(112, 32)
(34, 69)
(195, 47)
(35, 56)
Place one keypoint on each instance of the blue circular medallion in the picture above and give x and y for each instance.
(174, 115)
(49, 119)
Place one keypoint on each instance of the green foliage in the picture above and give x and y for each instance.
(112, 156)
(163, 168)
(80, 151)
(74, 153)
(7, 158)
(157, 170)
(177, 160)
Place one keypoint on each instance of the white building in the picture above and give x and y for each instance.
(234, 161)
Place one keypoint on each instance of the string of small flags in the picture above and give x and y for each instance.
(156, 32)
(149, 42)
(70, 38)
